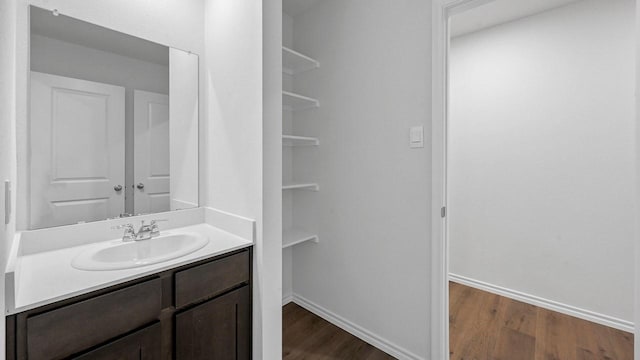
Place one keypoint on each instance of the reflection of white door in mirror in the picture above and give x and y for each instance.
(77, 150)
(151, 152)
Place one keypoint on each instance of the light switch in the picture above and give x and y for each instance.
(416, 138)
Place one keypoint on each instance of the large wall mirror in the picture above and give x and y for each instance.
(113, 124)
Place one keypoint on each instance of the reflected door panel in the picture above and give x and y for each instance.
(151, 149)
(77, 150)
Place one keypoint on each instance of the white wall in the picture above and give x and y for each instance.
(271, 247)
(7, 137)
(637, 197)
(241, 85)
(542, 156)
(287, 167)
(234, 112)
(372, 213)
(58, 57)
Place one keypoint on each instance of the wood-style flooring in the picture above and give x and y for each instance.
(307, 336)
(484, 326)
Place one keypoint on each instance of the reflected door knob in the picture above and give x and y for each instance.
(140, 186)
(117, 188)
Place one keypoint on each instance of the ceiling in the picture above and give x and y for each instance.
(498, 12)
(78, 32)
(295, 7)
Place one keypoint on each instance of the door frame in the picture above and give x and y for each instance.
(441, 12)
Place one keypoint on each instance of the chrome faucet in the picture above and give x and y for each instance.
(129, 232)
(145, 232)
(155, 229)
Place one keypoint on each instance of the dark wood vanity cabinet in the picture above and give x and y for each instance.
(141, 345)
(217, 329)
(197, 311)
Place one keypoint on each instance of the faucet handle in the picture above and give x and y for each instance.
(155, 229)
(129, 232)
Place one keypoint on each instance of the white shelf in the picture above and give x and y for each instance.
(292, 140)
(301, 186)
(295, 102)
(292, 237)
(295, 63)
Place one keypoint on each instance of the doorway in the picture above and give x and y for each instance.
(536, 170)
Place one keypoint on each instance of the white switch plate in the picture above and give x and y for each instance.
(416, 137)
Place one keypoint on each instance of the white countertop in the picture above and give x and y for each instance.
(45, 277)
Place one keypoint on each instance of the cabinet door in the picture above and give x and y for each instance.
(70, 329)
(144, 344)
(219, 329)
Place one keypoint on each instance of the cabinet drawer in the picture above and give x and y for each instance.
(211, 279)
(142, 345)
(62, 332)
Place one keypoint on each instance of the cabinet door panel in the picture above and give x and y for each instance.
(219, 329)
(141, 345)
(70, 329)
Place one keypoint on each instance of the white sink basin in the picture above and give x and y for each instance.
(120, 255)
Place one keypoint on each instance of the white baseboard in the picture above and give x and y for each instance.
(287, 299)
(546, 304)
(355, 330)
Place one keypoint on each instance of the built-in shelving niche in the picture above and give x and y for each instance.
(294, 63)
(297, 102)
(301, 186)
(292, 237)
(292, 140)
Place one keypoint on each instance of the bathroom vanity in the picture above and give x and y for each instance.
(195, 306)
(197, 311)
